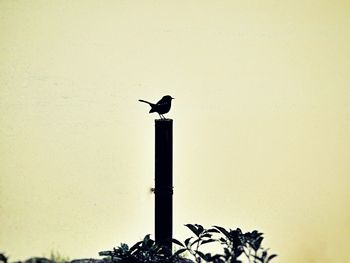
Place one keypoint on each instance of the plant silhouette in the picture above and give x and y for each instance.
(236, 246)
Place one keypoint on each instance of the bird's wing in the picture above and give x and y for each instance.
(162, 101)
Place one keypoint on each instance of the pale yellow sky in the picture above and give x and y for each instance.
(261, 122)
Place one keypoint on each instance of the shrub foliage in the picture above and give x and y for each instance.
(237, 247)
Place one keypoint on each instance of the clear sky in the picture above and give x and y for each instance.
(261, 122)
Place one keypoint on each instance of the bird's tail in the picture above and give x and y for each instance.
(147, 102)
(150, 104)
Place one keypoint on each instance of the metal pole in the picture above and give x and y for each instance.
(164, 182)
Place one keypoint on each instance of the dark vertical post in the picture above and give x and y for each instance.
(164, 182)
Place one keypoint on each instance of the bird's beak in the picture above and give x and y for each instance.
(172, 98)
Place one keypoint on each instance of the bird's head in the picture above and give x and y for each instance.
(167, 98)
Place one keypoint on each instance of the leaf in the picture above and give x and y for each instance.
(105, 253)
(256, 233)
(213, 230)
(258, 258)
(193, 229)
(147, 242)
(134, 247)
(146, 238)
(256, 243)
(124, 247)
(206, 235)
(223, 240)
(178, 252)
(187, 241)
(200, 229)
(177, 242)
(223, 230)
(270, 257)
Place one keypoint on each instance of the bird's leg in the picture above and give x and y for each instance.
(160, 116)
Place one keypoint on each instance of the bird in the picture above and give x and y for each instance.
(161, 107)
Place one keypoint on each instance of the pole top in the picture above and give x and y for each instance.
(163, 120)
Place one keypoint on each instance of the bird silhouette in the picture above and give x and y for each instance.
(161, 107)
